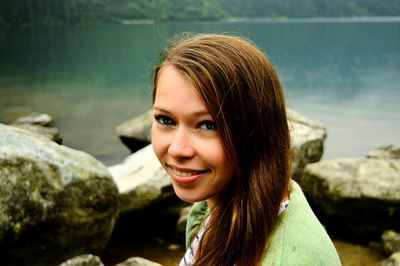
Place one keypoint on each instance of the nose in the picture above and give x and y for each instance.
(181, 146)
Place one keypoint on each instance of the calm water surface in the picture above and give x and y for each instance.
(344, 73)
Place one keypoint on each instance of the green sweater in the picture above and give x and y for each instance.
(298, 239)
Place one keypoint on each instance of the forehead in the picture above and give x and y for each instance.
(174, 89)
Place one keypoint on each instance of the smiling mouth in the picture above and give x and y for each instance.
(186, 173)
(185, 176)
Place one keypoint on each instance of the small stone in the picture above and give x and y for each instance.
(137, 261)
(391, 241)
(51, 133)
(385, 152)
(42, 124)
(174, 247)
(83, 260)
(34, 118)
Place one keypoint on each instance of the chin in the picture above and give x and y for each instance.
(189, 199)
(188, 195)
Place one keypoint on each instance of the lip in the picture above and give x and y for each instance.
(190, 174)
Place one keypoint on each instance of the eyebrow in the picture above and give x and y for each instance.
(196, 113)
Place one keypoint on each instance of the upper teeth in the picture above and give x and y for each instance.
(183, 173)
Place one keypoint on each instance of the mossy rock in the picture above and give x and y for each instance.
(55, 202)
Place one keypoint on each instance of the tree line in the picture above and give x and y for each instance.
(310, 8)
(71, 12)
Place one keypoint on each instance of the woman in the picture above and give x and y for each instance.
(220, 131)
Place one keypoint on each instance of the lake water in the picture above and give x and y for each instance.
(344, 73)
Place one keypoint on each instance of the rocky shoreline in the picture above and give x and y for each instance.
(60, 206)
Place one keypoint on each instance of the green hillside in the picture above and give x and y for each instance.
(27, 13)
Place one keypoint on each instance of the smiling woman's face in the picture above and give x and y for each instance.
(186, 140)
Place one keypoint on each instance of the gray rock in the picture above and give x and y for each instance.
(51, 133)
(141, 180)
(137, 261)
(391, 241)
(40, 119)
(55, 202)
(393, 260)
(364, 193)
(42, 124)
(307, 136)
(136, 133)
(83, 260)
(385, 152)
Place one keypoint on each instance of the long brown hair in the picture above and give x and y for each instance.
(242, 92)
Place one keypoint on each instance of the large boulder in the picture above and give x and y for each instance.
(363, 194)
(141, 180)
(307, 136)
(55, 202)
